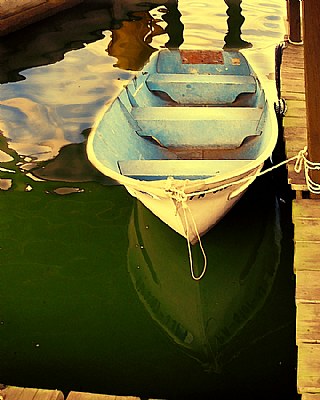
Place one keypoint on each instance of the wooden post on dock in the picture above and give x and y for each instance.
(294, 19)
(311, 33)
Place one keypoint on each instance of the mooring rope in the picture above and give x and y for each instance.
(185, 207)
(308, 166)
(300, 158)
(180, 196)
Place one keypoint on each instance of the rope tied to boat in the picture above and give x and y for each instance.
(186, 208)
(181, 197)
(301, 160)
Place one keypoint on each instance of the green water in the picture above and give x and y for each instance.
(73, 316)
(95, 292)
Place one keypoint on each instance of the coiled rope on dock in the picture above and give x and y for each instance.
(307, 165)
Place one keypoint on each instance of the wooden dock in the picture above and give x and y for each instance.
(19, 393)
(306, 220)
(16, 14)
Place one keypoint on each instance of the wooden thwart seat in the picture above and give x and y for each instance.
(218, 127)
(179, 169)
(202, 88)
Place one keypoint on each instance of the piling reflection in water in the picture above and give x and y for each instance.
(131, 41)
(235, 21)
(207, 319)
(131, 44)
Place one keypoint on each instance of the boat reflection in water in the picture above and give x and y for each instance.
(209, 319)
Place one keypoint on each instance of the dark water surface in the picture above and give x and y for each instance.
(95, 292)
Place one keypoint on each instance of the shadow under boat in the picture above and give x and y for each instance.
(208, 319)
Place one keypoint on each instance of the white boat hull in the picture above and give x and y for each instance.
(196, 215)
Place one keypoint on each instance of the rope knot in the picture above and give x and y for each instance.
(179, 195)
(301, 159)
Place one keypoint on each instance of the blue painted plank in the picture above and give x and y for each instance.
(179, 169)
(202, 89)
(219, 127)
(116, 138)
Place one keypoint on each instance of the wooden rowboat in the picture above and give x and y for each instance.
(187, 136)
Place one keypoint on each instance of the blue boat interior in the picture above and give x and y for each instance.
(184, 117)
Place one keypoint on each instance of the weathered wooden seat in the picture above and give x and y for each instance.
(179, 169)
(202, 89)
(218, 127)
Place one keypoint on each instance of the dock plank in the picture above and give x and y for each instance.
(307, 287)
(306, 209)
(308, 326)
(299, 122)
(308, 368)
(290, 95)
(296, 108)
(295, 138)
(306, 219)
(92, 396)
(310, 396)
(20, 393)
(307, 229)
(294, 86)
(306, 255)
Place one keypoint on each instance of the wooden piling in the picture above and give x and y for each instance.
(294, 20)
(295, 122)
(311, 33)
